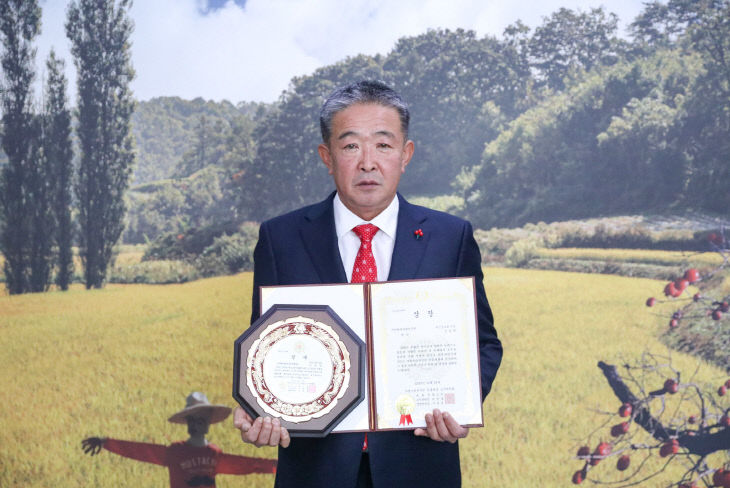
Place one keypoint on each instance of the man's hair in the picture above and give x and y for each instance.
(367, 91)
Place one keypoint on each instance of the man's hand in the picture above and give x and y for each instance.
(264, 431)
(92, 445)
(442, 427)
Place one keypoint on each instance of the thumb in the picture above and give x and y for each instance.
(241, 420)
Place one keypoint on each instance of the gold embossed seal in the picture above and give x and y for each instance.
(405, 405)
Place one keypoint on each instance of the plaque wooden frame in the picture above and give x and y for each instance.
(354, 390)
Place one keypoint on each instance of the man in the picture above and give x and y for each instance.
(194, 462)
(366, 150)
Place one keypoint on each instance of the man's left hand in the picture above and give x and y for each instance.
(442, 427)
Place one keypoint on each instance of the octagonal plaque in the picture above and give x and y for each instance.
(301, 364)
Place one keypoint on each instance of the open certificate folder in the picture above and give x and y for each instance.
(422, 349)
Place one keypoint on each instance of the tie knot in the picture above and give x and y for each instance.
(365, 232)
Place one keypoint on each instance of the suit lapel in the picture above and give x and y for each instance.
(320, 240)
(408, 251)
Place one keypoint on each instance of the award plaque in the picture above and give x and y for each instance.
(301, 364)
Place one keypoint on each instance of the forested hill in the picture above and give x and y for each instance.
(165, 128)
(564, 121)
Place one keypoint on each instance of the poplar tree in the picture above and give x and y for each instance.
(59, 156)
(19, 25)
(99, 31)
(40, 198)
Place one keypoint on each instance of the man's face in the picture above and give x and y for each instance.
(198, 425)
(366, 155)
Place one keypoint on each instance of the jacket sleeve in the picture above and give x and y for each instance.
(232, 464)
(490, 347)
(264, 269)
(139, 451)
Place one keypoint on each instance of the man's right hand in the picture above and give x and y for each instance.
(264, 431)
(92, 445)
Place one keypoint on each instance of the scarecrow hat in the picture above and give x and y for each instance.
(197, 404)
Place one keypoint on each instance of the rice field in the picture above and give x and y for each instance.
(118, 362)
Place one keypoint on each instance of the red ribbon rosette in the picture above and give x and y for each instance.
(404, 404)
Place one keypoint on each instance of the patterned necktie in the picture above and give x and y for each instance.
(364, 270)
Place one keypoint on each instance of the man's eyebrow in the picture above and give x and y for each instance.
(346, 134)
(385, 133)
(349, 133)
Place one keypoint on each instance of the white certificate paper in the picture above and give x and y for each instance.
(422, 346)
(425, 351)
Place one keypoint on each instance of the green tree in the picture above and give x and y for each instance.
(99, 31)
(447, 77)
(19, 25)
(571, 41)
(165, 129)
(207, 147)
(40, 192)
(548, 164)
(643, 155)
(157, 208)
(59, 155)
(518, 88)
(706, 128)
(702, 27)
(655, 27)
(207, 186)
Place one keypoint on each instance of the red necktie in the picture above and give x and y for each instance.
(364, 270)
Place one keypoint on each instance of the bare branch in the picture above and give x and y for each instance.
(699, 442)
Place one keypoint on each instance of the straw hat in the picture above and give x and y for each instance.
(197, 404)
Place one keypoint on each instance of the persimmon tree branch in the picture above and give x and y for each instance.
(699, 442)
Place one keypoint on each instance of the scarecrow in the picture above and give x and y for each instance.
(194, 462)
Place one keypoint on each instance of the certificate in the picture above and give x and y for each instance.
(411, 346)
(425, 352)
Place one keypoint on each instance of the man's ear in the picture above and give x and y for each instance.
(325, 156)
(407, 154)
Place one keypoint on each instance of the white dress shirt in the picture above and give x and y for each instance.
(383, 242)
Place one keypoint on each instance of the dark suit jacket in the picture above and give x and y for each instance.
(301, 248)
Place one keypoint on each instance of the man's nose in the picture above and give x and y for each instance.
(368, 161)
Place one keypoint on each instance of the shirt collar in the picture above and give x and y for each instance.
(345, 220)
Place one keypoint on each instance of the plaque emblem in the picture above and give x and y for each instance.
(298, 369)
